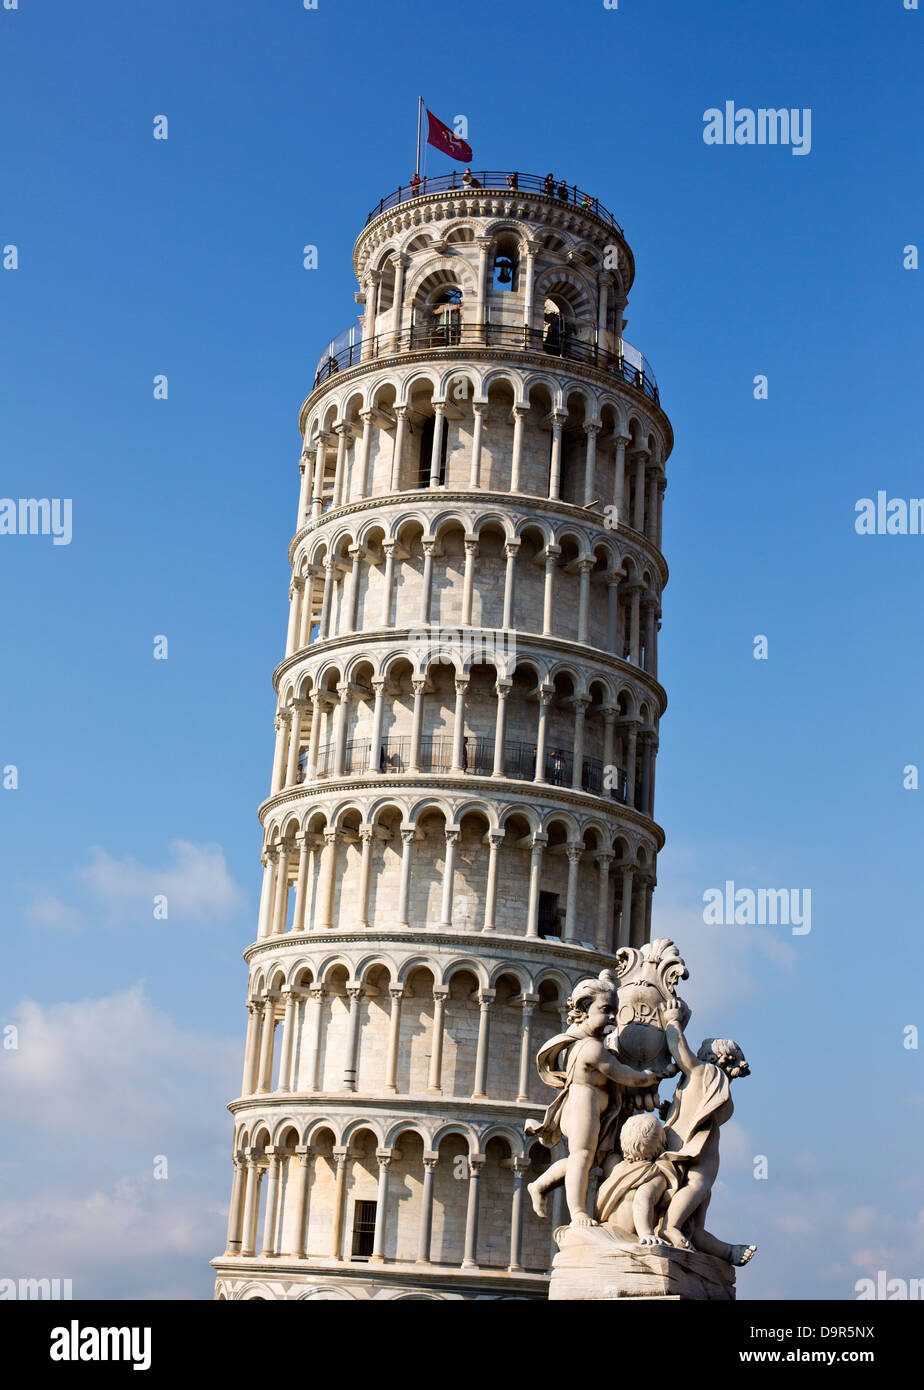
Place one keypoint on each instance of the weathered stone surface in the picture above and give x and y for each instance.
(593, 1264)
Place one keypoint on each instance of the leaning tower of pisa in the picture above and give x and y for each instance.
(460, 823)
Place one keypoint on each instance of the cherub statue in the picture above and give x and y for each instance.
(589, 1079)
(701, 1104)
(640, 1184)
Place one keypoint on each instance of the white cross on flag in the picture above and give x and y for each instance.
(440, 135)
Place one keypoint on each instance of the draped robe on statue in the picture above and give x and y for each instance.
(557, 1064)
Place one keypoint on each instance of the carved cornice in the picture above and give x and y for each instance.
(471, 786)
(472, 352)
(521, 505)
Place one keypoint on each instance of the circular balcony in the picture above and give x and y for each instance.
(502, 180)
(436, 756)
(628, 365)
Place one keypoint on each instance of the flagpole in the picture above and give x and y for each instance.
(419, 113)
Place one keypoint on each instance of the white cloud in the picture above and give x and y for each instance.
(94, 1067)
(49, 911)
(197, 883)
(97, 1089)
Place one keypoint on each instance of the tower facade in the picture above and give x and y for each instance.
(460, 824)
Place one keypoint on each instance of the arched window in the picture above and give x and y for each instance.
(506, 275)
(557, 327)
(446, 317)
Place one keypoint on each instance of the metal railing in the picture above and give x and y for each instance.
(519, 762)
(510, 181)
(427, 339)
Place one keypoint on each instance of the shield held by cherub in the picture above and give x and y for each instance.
(644, 980)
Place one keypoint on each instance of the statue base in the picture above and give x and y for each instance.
(593, 1263)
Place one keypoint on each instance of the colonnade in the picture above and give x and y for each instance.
(637, 494)
(301, 1013)
(256, 1166)
(312, 621)
(299, 760)
(314, 855)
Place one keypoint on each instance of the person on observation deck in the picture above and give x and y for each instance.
(550, 185)
(415, 184)
(512, 181)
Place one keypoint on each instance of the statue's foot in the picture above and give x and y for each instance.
(582, 1219)
(538, 1199)
(651, 1240)
(740, 1254)
(676, 1238)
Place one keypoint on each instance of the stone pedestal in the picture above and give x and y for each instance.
(592, 1263)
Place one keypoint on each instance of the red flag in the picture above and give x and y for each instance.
(443, 138)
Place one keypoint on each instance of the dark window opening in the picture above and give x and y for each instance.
(426, 450)
(363, 1230)
(549, 924)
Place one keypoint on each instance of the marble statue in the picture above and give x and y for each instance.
(645, 1235)
(590, 1081)
(701, 1103)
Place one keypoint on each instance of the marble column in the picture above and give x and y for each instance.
(439, 413)
(558, 420)
(535, 873)
(300, 1222)
(590, 462)
(485, 1001)
(468, 581)
(495, 840)
(267, 1033)
(388, 587)
(520, 1169)
(236, 1208)
(458, 724)
(430, 1160)
(281, 894)
(303, 841)
(551, 555)
(351, 1059)
(397, 453)
(408, 835)
(434, 1081)
(574, 853)
(396, 993)
(336, 1244)
(269, 1222)
(469, 1259)
(529, 1004)
(603, 862)
(546, 694)
(478, 413)
(516, 457)
(383, 1157)
(449, 870)
(510, 553)
(625, 916)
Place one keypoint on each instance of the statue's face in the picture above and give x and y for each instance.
(601, 1013)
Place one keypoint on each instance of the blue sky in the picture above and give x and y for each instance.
(183, 257)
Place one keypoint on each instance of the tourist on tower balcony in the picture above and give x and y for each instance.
(415, 184)
(513, 181)
(563, 191)
(550, 185)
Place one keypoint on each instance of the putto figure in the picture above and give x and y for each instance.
(586, 1113)
(633, 1194)
(702, 1102)
(625, 1035)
